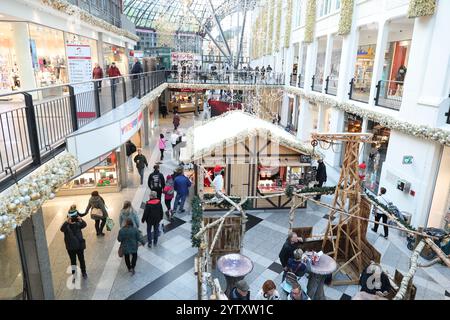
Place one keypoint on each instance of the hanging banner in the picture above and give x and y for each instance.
(80, 66)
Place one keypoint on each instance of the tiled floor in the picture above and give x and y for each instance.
(166, 271)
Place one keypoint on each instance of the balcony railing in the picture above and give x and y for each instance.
(301, 81)
(293, 80)
(389, 94)
(331, 84)
(226, 77)
(359, 90)
(316, 84)
(35, 123)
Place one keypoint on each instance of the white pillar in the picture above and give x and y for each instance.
(320, 118)
(23, 56)
(361, 145)
(304, 121)
(327, 64)
(382, 38)
(311, 60)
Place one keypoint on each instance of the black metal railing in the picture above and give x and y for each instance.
(34, 124)
(301, 81)
(359, 90)
(331, 84)
(226, 77)
(293, 80)
(389, 94)
(316, 84)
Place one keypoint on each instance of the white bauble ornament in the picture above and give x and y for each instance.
(24, 191)
(51, 196)
(26, 199)
(2, 237)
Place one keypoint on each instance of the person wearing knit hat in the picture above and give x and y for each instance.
(240, 291)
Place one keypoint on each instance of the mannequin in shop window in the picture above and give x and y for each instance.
(400, 78)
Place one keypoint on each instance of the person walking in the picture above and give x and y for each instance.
(162, 145)
(130, 148)
(129, 238)
(321, 176)
(268, 291)
(98, 211)
(135, 70)
(153, 214)
(168, 196)
(181, 184)
(113, 71)
(174, 141)
(156, 181)
(141, 163)
(128, 212)
(97, 73)
(74, 241)
(176, 121)
(380, 214)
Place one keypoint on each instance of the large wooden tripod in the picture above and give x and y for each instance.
(346, 236)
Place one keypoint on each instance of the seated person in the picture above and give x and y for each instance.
(297, 293)
(374, 281)
(296, 265)
(241, 291)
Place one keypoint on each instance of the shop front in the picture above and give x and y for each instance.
(352, 123)
(374, 154)
(365, 60)
(9, 71)
(186, 100)
(395, 67)
(116, 54)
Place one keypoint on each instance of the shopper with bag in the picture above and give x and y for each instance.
(98, 212)
(128, 212)
(156, 181)
(129, 238)
(153, 214)
(73, 238)
(169, 193)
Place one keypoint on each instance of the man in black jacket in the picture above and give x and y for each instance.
(136, 69)
(141, 163)
(288, 249)
(321, 176)
(156, 181)
(153, 214)
(130, 148)
(75, 244)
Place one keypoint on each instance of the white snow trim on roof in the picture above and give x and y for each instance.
(234, 127)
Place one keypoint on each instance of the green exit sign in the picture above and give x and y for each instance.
(407, 159)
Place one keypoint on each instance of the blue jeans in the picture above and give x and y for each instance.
(179, 198)
(141, 174)
(155, 232)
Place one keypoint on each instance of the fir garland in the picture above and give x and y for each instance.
(247, 205)
(271, 14)
(287, 28)
(310, 21)
(421, 8)
(345, 22)
(197, 217)
(278, 26)
(319, 190)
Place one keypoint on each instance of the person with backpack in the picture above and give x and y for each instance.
(129, 238)
(98, 211)
(181, 184)
(74, 241)
(153, 214)
(168, 196)
(156, 181)
(141, 163)
(130, 148)
(162, 145)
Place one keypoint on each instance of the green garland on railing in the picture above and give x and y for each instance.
(225, 204)
(271, 15)
(278, 25)
(197, 217)
(421, 8)
(345, 22)
(289, 191)
(310, 21)
(287, 27)
(374, 199)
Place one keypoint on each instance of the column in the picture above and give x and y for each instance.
(336, 124)
(327, 65)
(156, 112)
(320, 118)
(304, 122)
(361, 145)
(35, 259)
(196, 103)
(382, 37)
(23, 56)
(145, 125)
(285, 110)
(311, 59)
(100, 53)
(123, 166)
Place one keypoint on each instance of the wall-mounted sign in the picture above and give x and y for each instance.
(80, 66)
(305, 158)
(407, 160)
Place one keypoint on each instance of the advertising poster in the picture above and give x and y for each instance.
(80, 66)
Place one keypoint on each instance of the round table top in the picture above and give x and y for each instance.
(326, 265)
(235, 265)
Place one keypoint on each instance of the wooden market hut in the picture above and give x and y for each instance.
(257, 157)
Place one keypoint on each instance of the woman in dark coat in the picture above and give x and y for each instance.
(97, 202)
(73, 238)
(153, 214)
(129, 238)
(321, 176)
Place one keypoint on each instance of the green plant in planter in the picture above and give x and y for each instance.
(197, 217)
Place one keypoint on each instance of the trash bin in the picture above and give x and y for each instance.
(407, 218)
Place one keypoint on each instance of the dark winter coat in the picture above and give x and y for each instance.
(154, 177)
(113, 72)
(141, 161)
(234, 295)
(176, 120)
(153, 212)
(137, 68)
(321, 172)
(129, 237)
(130, 148)
(97, 202)
(287, 252)
(73, 237)
(97, 73)
(181, 184)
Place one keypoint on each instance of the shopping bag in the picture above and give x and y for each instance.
(96, 213)
(109, 224)
(120, 252)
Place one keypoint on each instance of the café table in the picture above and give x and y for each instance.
(234, 267)
(317, 276)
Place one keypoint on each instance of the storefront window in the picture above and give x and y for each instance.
(11, 278)
(9, 73)
(395, 67)
(275, 179)
(363, 72)
(48, 55)
(375, 154)
(115, 54)
(207, 187)
(184, 101)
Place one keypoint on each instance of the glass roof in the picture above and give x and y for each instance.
(152, 13)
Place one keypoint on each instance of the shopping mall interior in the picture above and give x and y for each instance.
(224, 150)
